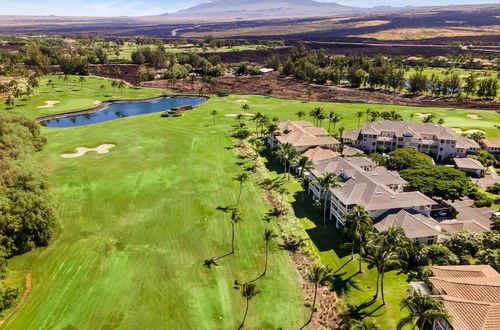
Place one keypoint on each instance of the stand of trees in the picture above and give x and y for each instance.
(381, 72)
(27, 214)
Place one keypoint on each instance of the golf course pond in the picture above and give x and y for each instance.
(119, 109)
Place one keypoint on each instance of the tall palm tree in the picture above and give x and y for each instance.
(257, 146)
(114, 84)
(383, 254)
(269, 235)
(321, 117)
(326, 182)
(245, 107)
(424, 310)
(235, 218)
(358, 225)
(335, 120)
(81, 80)
(287, 153)
(214, 113)
(241, 178)
(248, 291)
(331, 115)
(318, 275)
(121, 86)
(368, 113)
(300, 114)
(359, 115)
(305, 165)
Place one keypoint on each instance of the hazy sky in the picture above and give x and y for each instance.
(152, 7)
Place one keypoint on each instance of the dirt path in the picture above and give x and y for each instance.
(21, 301)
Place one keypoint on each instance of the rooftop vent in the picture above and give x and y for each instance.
(379, 193)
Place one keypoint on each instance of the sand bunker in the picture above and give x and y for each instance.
(48, 104)
(474, 116)
(97, 102)
(234, 115)
(80, 151)
(242, 101)
(471, 131)
(422, 115)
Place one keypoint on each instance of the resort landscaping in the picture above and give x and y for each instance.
(136, 225)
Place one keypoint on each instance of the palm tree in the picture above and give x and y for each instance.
(235, 218)
(368, 113)
(321, 117)
(359, 115)
(258, 147)
(65, 79)
(241, 178)
(248, 291)
(305, 165)
(50, 83)
(335, 120)
(286, 152)
(245, 107)
(269, 235)
(81, 80)
(360, 325)
(121, 86)
(326, 182)
(357, 227)
(114, 84)
(309, 92)
(214, 113)
(331, 115)
(424, 310)
(315, 113)
(318, 276)
(300, 114)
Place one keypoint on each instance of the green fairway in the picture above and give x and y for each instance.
(137, 223)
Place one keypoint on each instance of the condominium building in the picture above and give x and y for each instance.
(302, 135)
(434, 139)
(378, 190)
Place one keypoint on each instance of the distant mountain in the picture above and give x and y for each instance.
(244, 9)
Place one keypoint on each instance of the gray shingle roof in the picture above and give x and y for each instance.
(415, 225)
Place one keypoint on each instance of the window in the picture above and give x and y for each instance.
(430, 240)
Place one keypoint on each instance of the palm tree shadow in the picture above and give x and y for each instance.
(341, 267)
(225, 209)
(359, 312)
(343, 286)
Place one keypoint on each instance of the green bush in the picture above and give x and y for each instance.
(223, 92)
(8, 297)
(495, 189)
(483, 202)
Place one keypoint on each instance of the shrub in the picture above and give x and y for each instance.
(223, 92)
(495, 189)
(483, 202)
(8, 297)
(171, 114)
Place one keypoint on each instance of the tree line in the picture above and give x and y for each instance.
(381, 72)
(27, 216)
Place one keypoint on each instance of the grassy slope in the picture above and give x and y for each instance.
(136, 224)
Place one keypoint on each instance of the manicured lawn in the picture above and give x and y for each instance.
(137, 223)
(328, 246)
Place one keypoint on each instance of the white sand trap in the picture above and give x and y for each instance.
(422, 115)
(234, 115)
(242, 101)
(80, 151)
(97, 102)
(48, 104)
(471, 131)
(474, 116)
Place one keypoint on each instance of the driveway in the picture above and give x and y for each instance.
(488, 180)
